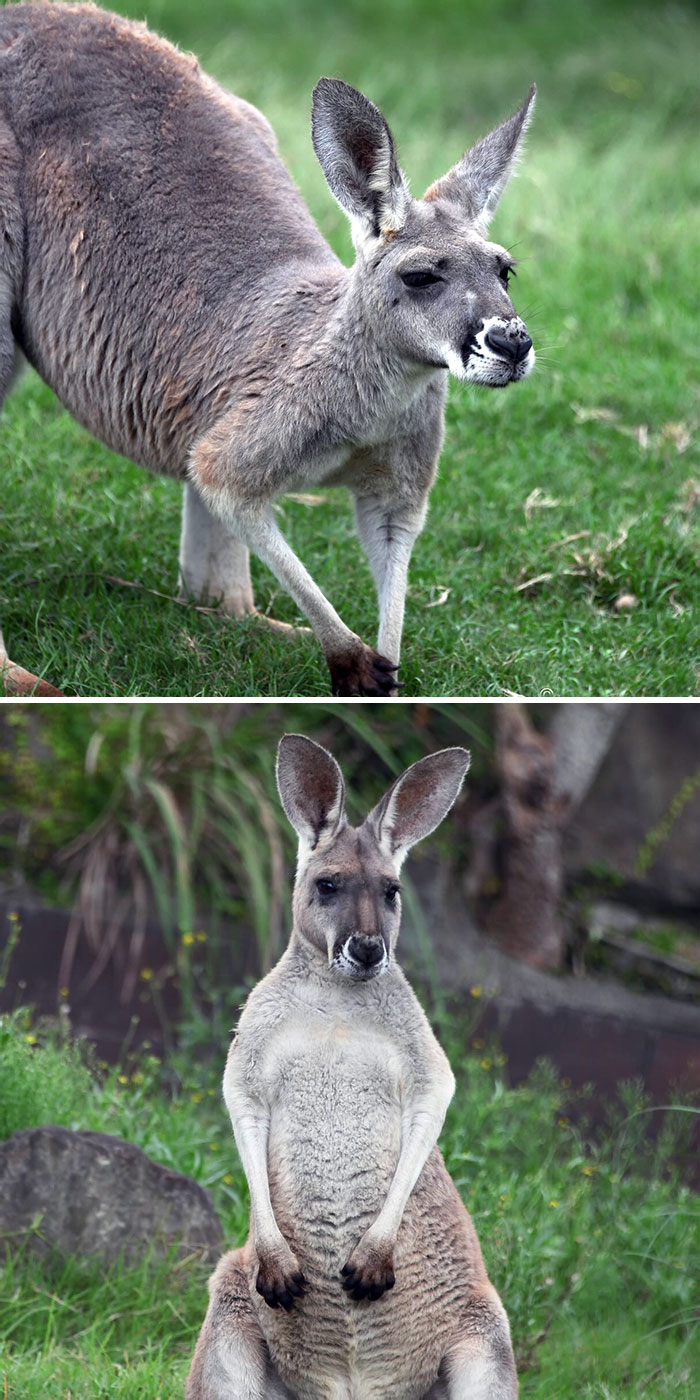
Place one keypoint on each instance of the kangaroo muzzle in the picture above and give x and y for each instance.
(361, 956)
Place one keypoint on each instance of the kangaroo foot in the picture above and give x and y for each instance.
(280, 1281)
(368, 1273)
(362, 671)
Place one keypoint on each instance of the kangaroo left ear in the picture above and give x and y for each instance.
(358, 157)
(478, 180)
(418, 801)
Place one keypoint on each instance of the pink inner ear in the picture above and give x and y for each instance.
(310, 784)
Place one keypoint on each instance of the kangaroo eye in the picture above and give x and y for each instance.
(504, 274)
(419, 279)
(391, 893)
(326, 887)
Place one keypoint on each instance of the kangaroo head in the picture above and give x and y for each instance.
(434, 287)
(347, 895)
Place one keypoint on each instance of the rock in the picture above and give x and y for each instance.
(89, 1194)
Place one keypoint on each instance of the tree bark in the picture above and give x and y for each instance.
(544, 778)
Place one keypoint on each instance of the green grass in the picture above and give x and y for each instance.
(593, 1248)
(605, 217)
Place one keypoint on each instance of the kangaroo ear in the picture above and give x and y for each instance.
(478, 180)
(357, 154)
(311, 788)
(419, 800)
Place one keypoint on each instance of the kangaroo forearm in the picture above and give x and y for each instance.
(252, 1132)
(419, 1139)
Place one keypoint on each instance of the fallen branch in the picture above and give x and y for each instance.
(17, 681)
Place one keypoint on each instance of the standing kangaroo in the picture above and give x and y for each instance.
(362, 1278)
(161, 271)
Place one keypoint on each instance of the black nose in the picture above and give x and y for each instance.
(513, 348)
(366, 951)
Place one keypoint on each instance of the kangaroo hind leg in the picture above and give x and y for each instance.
(215, 564)
(479, 1363)
(231, 1360)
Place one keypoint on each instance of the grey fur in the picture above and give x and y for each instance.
(161, 271)
(362, 1278)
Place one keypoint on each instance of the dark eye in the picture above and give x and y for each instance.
(391, 893)
(419, 279)
(326, 886)
(504, 273)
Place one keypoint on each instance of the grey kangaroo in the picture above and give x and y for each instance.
(362, 1278)
(161, 271)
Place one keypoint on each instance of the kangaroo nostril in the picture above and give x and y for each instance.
(367, 951)
(501, 345)
(513, 348)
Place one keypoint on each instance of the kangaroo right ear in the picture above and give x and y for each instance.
(478, 180)
(358, 157)
(419, 800)
(311, 788)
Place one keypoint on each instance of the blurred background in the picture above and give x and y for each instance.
(551, 928)
(146, 870)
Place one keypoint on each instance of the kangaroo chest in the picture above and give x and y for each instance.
(335, 1132)
(335, 1136)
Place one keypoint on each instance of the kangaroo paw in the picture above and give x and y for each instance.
(280, 1283)
(368, 1273)
(362, 671)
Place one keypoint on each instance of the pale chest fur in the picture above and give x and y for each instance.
(335, 1131)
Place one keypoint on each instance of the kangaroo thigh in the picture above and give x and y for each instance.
(231, 1359)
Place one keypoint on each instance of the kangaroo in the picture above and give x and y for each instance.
(162, 273)
(362, 1278)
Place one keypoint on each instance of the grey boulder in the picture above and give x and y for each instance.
(86, 1193)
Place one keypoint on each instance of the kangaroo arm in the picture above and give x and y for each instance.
(370, 1269)
(251, 1131)
(421, 1125)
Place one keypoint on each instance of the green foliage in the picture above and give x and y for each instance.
(41, 1081)
(581, 483)
(592, 1244)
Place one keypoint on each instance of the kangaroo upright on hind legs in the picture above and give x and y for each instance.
(362, 1278)
(161, 271)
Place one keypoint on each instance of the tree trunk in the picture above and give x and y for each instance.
(544, 778)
